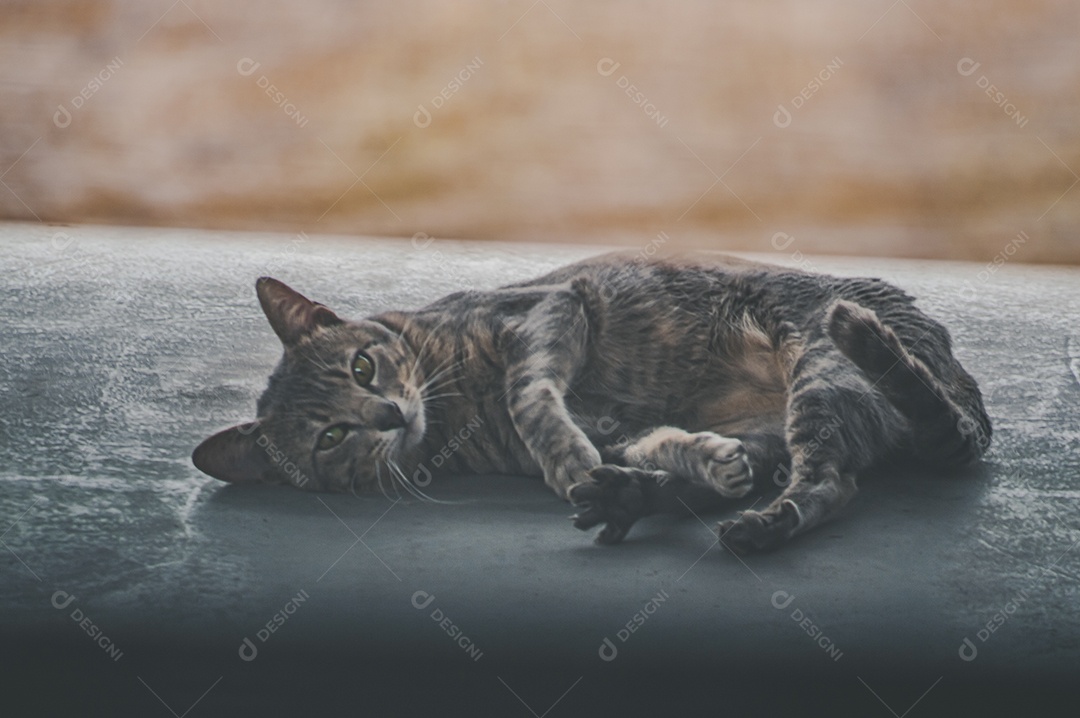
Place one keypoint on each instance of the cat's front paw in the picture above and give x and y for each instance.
(723, 464)
(614, 496)
(757, 530)
(562, 479)
(572, 468)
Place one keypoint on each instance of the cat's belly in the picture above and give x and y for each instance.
(741, 409)
(746, 393)
(729, 406)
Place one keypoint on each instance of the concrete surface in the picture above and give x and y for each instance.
(122, 348)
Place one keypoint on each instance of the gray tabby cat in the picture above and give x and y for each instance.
(632, 387)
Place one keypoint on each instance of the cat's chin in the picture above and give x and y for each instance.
(413, 434)
(410, 441)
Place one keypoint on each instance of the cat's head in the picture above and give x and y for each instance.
(341, 408)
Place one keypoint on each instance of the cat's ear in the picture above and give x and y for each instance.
(234, 455)
(292, 315)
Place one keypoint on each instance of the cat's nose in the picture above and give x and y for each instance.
(389, 417)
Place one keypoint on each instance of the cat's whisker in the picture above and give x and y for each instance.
(427, 339)
(415, 490)
(423, 347)
(380, 454)
(441, 378)
(415, 366)
(397, 478)
(443, 396)
(442, 367)
(438, 368)
(378, 478)
(393, 483)
(438, 390)
(404, 481)
(352, 485)
(313, 358)
(428, 391)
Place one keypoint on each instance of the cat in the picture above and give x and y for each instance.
(631, 386)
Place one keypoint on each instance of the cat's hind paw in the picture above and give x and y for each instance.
(616, 496)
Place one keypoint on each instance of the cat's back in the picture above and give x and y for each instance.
(714, 281)
(616, 269)
(674, 293)
(636, 287)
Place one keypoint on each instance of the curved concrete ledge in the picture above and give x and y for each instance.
(123, 347)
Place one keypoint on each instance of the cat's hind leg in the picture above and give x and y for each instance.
(935, 393)
(837, 424)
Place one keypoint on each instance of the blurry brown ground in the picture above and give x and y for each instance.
(897, 152)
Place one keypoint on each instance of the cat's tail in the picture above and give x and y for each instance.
(950, 429)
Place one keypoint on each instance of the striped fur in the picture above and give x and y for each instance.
(630, 386)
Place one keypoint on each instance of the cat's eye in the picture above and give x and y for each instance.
(331, 437)
(363, 369)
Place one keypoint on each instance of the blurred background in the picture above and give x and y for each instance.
(887, 127)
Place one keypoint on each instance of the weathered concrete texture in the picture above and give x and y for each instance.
(122, 348)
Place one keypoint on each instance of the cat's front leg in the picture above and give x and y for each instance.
(666, 470)
(617, 496)
(547, 349)
(706, 458)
